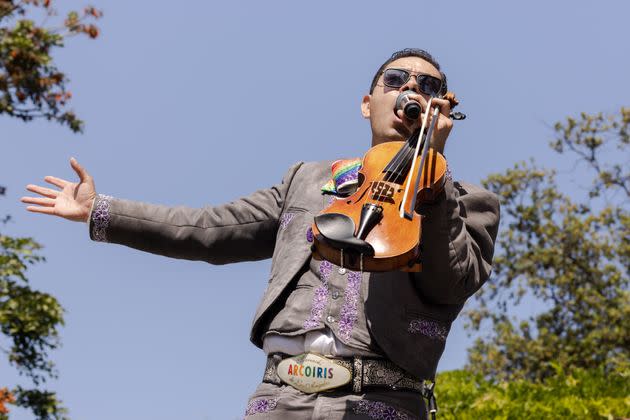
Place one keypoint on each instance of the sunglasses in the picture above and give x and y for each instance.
(429, 85)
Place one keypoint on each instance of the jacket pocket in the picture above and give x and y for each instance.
(428, 324)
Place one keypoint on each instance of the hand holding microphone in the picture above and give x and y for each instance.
(412, 108)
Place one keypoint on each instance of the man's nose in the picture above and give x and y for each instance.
(411, 84)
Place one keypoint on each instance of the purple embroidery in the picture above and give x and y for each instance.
(261, 405)
(349, 312)
(320, 298)
(285, 219)
(431, 329)
(378, 410)
(309, 234)
(100, 218)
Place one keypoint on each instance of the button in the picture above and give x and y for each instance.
(330, 319)
(335, 294)
(341, 271)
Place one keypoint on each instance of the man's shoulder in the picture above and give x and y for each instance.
(316, 165)
(477, 197)
(312, 171)
(464, 187)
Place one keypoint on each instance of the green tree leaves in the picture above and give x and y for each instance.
(30, 321)
(572, 255)
(581, 394)
(32, 86)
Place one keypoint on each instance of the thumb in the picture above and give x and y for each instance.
(80, 170)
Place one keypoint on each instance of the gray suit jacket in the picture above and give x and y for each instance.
(409, 315)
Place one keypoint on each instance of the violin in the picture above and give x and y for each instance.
(377, 228)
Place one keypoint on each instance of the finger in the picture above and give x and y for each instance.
(46, 192)
(80, 170)
(44, 210)
(61, 183)
(444, 105)
(46, 202)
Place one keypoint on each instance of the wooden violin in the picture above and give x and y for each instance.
(377, 228)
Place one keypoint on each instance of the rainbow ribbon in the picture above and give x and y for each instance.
(345, 173)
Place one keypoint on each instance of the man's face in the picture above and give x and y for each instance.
(379, 106)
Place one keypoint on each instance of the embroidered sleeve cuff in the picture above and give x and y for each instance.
(449, 174)
(99, 218)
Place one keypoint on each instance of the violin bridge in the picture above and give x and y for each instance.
(383, 191)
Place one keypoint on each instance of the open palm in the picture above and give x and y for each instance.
(73, 201)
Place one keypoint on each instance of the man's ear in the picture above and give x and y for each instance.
(365, 106)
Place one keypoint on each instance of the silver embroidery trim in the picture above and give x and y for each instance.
(357, 381)
(378, 372)
(429, 328)
(378, 410)
(261, 405)
(101, 217)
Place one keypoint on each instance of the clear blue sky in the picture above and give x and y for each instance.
(153, 338)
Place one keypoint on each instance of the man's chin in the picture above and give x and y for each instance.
(400, 133)
(399, 130)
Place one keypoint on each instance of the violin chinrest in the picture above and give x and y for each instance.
(338, 229)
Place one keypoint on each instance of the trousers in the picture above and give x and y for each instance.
(276, 402)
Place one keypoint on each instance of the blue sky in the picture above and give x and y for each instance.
(151, 338)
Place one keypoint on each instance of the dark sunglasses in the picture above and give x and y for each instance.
(395, 78)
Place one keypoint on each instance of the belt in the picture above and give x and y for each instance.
(366, 373)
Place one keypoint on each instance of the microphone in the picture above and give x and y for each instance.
(412, 109)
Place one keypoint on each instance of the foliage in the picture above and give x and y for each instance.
(6, 397)
(581, 394)
(31, 85)
(29, 320)
(571, 254)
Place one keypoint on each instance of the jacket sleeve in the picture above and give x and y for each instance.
(458, 235)
(243, 230)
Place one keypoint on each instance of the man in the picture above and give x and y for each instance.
(341, 343)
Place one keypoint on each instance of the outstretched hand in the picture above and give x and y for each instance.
(72, 202)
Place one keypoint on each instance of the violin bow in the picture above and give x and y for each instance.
(424, 143)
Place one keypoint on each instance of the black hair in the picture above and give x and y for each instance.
(410, 52)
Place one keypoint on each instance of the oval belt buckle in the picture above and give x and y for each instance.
(309, 373)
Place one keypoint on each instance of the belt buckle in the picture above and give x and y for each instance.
(310, 373)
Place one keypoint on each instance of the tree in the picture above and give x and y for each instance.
(581, 394)
(31, 86)
(30, 320)
(570, 254)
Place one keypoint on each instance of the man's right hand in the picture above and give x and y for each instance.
(72, 202)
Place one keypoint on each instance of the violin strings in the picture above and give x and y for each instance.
(401, 160)
(388, 175)
(398, 163)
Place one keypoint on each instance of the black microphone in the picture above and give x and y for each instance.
(411, 108)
